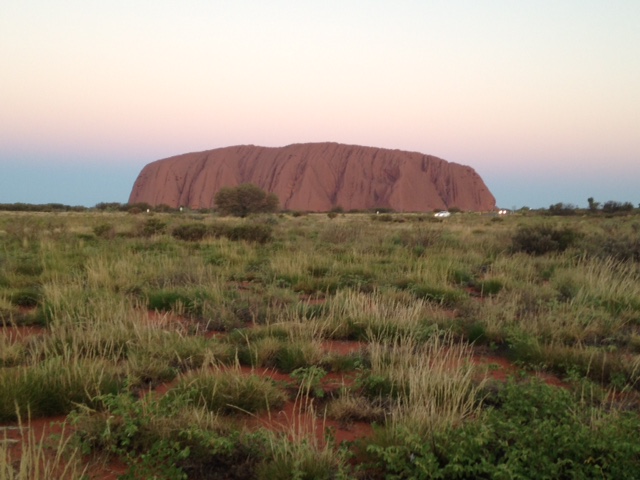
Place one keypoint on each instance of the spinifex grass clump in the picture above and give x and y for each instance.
(284, 353)
(304, 447)
(302, 452)
(359, 316)
(53, 386)
(11, 353)
(432, 382)
(230, 391)
(28, 297)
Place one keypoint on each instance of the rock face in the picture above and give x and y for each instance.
(316, 177)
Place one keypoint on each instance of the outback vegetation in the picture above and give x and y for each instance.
(192, 346)
(244, 200)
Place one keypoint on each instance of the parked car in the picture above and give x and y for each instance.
(443, 214)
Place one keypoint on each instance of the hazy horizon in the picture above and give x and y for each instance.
(542, 98)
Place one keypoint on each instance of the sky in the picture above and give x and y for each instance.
(541, 98)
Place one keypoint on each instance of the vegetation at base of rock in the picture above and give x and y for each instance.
(244, 200)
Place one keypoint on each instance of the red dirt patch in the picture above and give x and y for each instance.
(341, 347)
(497, 368)
(16, 333)
(302, 420)
(500, 368)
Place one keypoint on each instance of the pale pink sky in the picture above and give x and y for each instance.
(542, 98)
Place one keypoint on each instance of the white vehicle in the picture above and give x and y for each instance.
(442, 214)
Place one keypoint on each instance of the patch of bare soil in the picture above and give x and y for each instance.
(302, 419)
(342, 347)
(18, 333)
(500, 369)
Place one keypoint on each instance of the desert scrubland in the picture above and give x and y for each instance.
(187, 345)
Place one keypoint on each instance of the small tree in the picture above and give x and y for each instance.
(245, 199)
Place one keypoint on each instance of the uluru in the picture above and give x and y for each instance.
(316, 177)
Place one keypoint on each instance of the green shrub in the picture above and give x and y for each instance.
(375, 386)
(166, 439)
(185, 302)
(166, 301)
(443, 296)
(534, 431)
(490, 287)
(621, 247)
(54, 386)
(29, 268)
(291, 357)
(244, 200)
(310, 379)
(152, 226)
(26, 297)
(461, 277)
(190, 232)
(541, 239)
(105, 230)
(257, 233)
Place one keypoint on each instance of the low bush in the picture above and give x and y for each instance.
(624, 248)
(167, 439)
(105, 230)
(534, 431)
(443, 296)
(490, 287)
(310, 379)
(152, 226)
(257, 233)
(54, 387)
(541, 239)
(168, 300)
(230, 392)
(190, 232)
(26, 297)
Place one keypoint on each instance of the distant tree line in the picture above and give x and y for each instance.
(46, 207)
(610, 207)
(103, 206)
